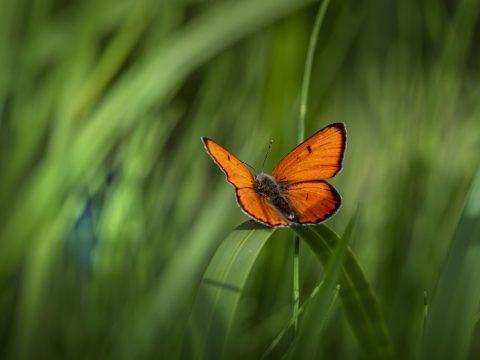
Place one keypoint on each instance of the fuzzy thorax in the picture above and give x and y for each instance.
(267, 186)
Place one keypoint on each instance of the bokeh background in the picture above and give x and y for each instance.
(111, 211)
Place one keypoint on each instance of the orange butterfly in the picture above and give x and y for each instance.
(296, 192)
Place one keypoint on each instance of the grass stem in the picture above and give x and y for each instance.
(308, 68)
(301, 136)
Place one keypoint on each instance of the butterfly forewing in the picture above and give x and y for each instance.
(318, 157)
(237, 173)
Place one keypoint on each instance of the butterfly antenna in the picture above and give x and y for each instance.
(250, 166)
(268, 152)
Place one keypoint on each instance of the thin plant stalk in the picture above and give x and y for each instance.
(301, 136)
(308, 68)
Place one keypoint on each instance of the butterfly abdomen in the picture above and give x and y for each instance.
(267, 186)
(285, 208)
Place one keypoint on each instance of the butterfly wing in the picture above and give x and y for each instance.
(252, 204)
(258, 208)
(312, 201)
(236, 172)
(318, 157)
(302, 170)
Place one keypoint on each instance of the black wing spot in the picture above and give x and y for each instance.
(309, 148)
(228, 156)
(306, 197)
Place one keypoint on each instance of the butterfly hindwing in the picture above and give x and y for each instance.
(312, 201)
(259, 208)
(318, 157)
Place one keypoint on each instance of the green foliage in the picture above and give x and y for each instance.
(359, 302)
(113, 218)
(457, 294)
(222, 284)
(309, 338)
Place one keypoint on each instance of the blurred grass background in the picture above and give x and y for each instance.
(110, 209)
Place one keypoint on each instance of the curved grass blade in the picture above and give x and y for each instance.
(153, 318)
(307, 342)
(359, 302)
(315, 309)
(454, 309)
(269, 353)
(222, 286)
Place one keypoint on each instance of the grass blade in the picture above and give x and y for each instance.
(309, 336)
(321, 299)
(359, 302)
(454, 309)
(222, 286)
(308, 68)
(301, 136)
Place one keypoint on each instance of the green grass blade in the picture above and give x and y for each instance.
(454, 310)
(309, 337)
(222, 286)
(301, 136)
(359, 302)
(154, 79)
(269, 353)
(321, 299)
(308, 68)
(174, 288)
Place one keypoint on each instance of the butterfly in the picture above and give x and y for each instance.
(296, 192)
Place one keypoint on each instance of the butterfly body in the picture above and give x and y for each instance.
(296, 192)
(268, 187)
